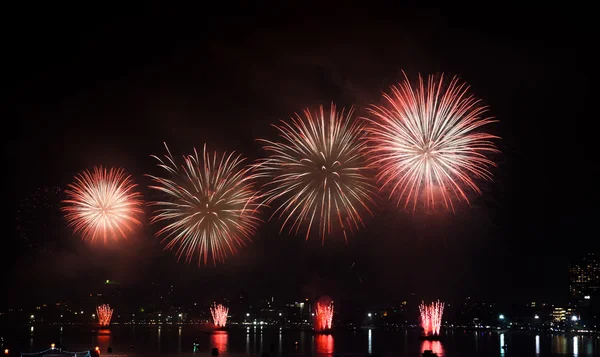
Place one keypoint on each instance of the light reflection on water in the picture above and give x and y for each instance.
(219, 340)
(434, 346)
(172, 339)
(324, 344)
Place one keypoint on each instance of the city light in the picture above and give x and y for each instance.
(574, 318)
(247, 314)
(32, 317)
(52, 346)
(501, 317)
(280, 314)
(536, 317)
(6, 351)
(369, 314)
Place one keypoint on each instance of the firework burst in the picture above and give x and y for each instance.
(324, 316)
(429, 144)
(219, 314)
(102, 204)
(317, 172)
(210, 205)
(104, 313)
(431, 317)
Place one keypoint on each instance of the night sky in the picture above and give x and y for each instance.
(89, 87)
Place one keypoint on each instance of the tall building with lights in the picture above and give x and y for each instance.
(584, 277)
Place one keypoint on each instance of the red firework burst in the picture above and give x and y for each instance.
(427, 143)
(324, 316)
(104, 313)
(102, 204)
(431, 317)
(219, 315)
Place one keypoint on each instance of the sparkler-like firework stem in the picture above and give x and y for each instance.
(431, 317)
(104, 313)
(211, 205)
(317, 171)
(102, 204)
(429, 138)
(219, 314)
(323, 316)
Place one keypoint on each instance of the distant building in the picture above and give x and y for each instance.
(584, 278)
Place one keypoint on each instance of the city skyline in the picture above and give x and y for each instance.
(79, 105)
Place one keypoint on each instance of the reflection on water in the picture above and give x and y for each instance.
(248, 340)
(435, 347)
(158, 338)
(324, 344)
(165, 340)
(179, 340)
(219, 340)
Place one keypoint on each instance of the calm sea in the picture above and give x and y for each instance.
(173, 340)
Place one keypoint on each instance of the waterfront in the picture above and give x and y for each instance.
(167, 340)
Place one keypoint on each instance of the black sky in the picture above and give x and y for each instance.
(107, 86)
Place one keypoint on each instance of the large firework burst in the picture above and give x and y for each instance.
(428, 143)
(102, 204)
(317, 172)
(210, 206)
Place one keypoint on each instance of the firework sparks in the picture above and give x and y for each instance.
(429, 144)
(104, 313)
(431, 317)
(219, 314)
(102, 204)
(317, 171)
(211, 205)
(323, 316)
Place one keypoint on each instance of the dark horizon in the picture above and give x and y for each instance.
(103, 89)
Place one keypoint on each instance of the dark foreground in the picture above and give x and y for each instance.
(174, 340)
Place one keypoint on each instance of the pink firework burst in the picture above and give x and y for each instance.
(102, 204)
(219, 314)
(427, 142)
(431, 317)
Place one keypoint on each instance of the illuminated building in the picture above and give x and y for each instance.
(584, 277)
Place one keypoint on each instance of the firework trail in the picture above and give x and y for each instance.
(317, 172)
(428, 142)
(104, 313)
(210, 205)
(102, 204)
(219, 314)
(431, 317)
(323, 315)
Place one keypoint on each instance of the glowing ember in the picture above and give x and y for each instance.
(431, 317)
(219, 314)
(104, 313)
(323, 316)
